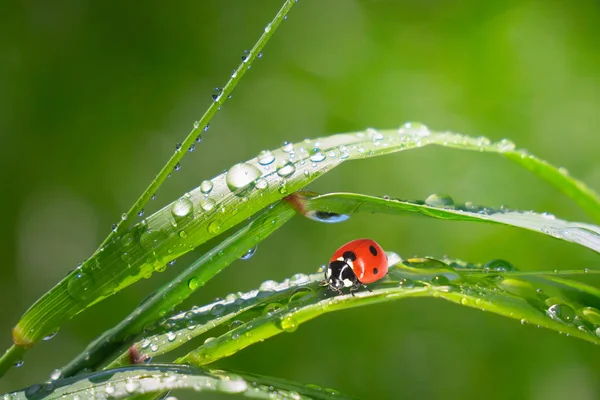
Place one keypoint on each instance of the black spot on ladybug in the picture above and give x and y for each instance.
(373, 250)
(375, 271)
(349, 255)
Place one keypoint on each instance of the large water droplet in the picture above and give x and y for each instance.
(299, 279)
(414, 129)
(286, 170)
(80, 285)
(217, 93)
(326, 217)
(265, 157)
(561, 312)
(55, 375)
(261, 184)
(592, 314)
(248, 254)
(440, 200)
(232, 384)
(288, 324)
(51, 335)
(268, 286)
(241, 176)
(498, 266)
(318, 156)
(182, 208)
(206, 186)
(214, 227)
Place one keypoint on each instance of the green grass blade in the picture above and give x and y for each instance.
(586, 235)
(139, 380)
(180, 288)
(219, 99)
(565, 306)
(227, 200)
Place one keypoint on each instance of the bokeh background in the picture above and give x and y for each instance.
(95, 95)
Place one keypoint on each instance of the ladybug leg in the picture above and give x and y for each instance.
(366, 287)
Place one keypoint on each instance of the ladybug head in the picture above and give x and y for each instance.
(339, 275)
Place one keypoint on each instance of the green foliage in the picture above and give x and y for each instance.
(257, 197)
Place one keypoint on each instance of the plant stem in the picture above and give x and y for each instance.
(11, 357)
(199, 126)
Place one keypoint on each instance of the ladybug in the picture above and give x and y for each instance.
(356, 263)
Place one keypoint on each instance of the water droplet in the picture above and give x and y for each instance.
(416, 129)
(196, 124)
(592, 314)
(286, 170)
(241, 176)
(19, 364)
(268, 28)
(206, 127)
(248, 254)
(214, 227)
(265, 157)
(440, 200)
(498, 266)
(123, 216)
(232, 384)
(287, 323)
(193, 283)
(31, 390)
(131, 385)
(505, 145)
(208, 204)
(171, 336)
(299, 279)
(51, 335)
(374, 134)
(245, 55)
(172, 262)
(317, 156)
(268, 286)
(561, 312)
(55, 375)
(440, 280)
(182, 208)
(140, 213)
(261, 184)
(178, 146)
(114, 227)
(216, 94)
(177, 167)
(326, 217)
(206, 186)
(406, 283)
(287, 147)
(153, 197)
(192, 147)
(218, 310)
(198, 138)
(80, 285)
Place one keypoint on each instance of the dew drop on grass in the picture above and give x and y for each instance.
(317, 156)
(591, 314)
(196, 124)
(114, 227)
(241, 176)
(414, 129)
(261, 184)
(193, 283)
(131, 386)
(80, 285)
(299, 279)
(192, 148)
(232, 384)
(19, 364)
(51, 335)
(214, 227)
(31, 390)
(123, 216)
(286, 170)
(265, 157)
(208, 204)
(55, 375)
(287, 147)
(178, 146)
(498, 266)
(288, 324)
(440, 200)
(177, 167)
(249, 253)
(245, 55)
(140, 213)
(561, 312)
(217, 93)
(505, 145)
(198, 138)
(267, 286)
(326, 217)
(182, 208)
(171, 336)
(206, 186)
(406, 283)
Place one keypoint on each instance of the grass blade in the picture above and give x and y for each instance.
(562, 305)
(586, 235)
(229, 199)
(219, 99)
(139, 380)
(180, 288)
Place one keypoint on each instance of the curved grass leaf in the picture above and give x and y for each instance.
(564, 306)
(219, 97)
(180, 288)
(443, 207)
(230, 198)
(139, 380)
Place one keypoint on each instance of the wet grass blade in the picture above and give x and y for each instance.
(179, 289)
(220, 96)
(228, 199)
(139, 381)
(564, 306)
(443, 207)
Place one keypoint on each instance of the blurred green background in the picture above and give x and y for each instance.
(95, 95)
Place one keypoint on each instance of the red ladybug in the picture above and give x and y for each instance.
(356, 263)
